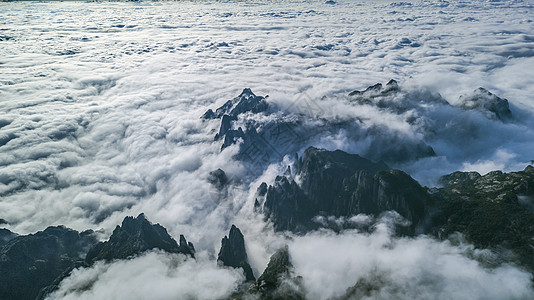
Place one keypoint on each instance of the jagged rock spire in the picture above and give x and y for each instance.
(233, 252)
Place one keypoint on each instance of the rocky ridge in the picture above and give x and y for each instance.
(489, 104)
(134, 236)
(335, 183)
(266, 132)
(6, 236)
(32, 266)
(493, 211)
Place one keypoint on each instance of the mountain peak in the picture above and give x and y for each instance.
(135, 236)
(247, 101)
(233, 252)
(488, 103)
(247, 92)
(337, 183)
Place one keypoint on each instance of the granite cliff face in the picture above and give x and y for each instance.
(233, 253)
(335, 183)
(277, 280)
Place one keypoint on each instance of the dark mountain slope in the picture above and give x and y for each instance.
(335, 183)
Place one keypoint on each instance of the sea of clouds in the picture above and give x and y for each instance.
(100, 107)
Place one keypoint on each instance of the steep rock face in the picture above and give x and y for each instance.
(488, 103)
(261, 143)
(31, 262)
(323, 171)
(277, 281)
(335, 183)
(134, 236)
(287, 206)
(233, 253)
(387, 190)
(492, 211)
(279, 265)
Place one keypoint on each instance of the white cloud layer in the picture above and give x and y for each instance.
(404, 268)
(150, 276)
(100, 105)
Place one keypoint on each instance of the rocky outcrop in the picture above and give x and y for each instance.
(492, 184)
(278, 281)
(492, 211)
(135, 236)
(266, 133)
(279, 266)
(488, 103)
(376, 90)
(260, 142)
(218, 179)
(32, 266)
(335, 183)
(459, 178)
(247, 101)
(233, 253)
(31, 262)
(390, 97)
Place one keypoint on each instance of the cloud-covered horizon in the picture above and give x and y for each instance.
(101, 102)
